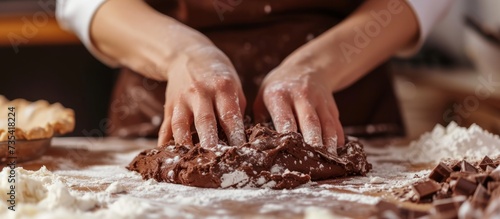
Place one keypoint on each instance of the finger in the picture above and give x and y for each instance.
(338, 125)
(205, 122)
(279, 106)
(165, 133)
(243, 102)
(309, 123)
(328, 128)
(230, 118)
(181, 125)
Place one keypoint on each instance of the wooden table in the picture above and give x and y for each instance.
(71, 158)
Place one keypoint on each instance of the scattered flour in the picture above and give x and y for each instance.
(234, 178)
(320, 213)
(97, 191)
(115, 187)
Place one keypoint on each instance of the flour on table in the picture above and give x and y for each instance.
(109, 191)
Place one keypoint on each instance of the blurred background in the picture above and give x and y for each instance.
(455, 77)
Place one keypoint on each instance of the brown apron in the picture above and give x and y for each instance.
(257, 35)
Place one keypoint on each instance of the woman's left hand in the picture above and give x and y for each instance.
(296, 98)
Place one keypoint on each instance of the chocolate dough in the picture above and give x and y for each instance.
(269, 159)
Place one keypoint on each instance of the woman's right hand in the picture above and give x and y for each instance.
(203, 87)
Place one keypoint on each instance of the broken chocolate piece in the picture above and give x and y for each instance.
(412, 213)
(426, 189)
(489, 169)
(467, 167)
(481, 197)
(486, 162)
(456, 166)
(387, 209)
(440, 173)
(444, 193)
(495, 174)
(464, 187)
(481, 178)
(492, 186)
(448, 208)
(457, 175)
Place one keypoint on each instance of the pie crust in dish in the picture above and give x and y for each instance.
(35, 120)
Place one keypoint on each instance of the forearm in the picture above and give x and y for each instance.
(138, 37)
(351, 49)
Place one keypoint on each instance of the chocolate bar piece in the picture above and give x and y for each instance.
(464, 187)
(481, 178)
(456, 166)
(467, 167)
(486, 162)
(440, 173)
(495, 174)
(387, 209)
(456, 175)
(412, 213)
(481, 197)
(444, 192)
(489, 169)
(448, 208)
(492, 186)
(426, 189)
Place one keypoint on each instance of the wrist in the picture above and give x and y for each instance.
(313, 66)
(159, 52)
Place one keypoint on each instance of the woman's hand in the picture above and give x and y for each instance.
(203, 88)
(298, 93)
(296, 98)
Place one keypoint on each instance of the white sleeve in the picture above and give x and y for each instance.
(428, 13)
(76, 16)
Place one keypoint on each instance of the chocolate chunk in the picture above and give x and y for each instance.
(456, 166)
(481, 197)
(486, 162)
(457, 175)
(467, 167)
(448, 208)
(444, 193)
(464, 187)
(495, 195)
(492, 186)
(489, 169)
(481, 178)
(385, 208)
(440, 173)
(495, 174)
(426, 189)
(412, 213)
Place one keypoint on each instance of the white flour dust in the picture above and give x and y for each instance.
(110, 191)
(391, 164)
